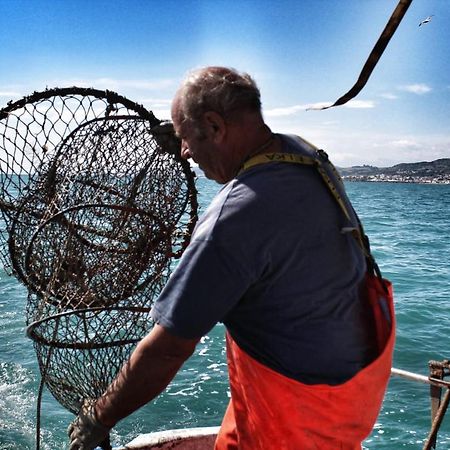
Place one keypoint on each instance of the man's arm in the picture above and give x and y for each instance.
(151, 367)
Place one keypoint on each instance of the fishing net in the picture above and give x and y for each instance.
(95, 205)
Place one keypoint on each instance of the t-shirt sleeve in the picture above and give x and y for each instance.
(207, 283)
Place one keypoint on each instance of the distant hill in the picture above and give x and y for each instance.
(437, 171)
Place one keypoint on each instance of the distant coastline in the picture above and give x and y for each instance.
(426, 172)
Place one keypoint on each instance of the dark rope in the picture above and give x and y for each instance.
(41, 390)
(38, 413)
(375, 54)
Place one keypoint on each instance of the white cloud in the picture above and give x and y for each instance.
(389, 150)
(155, 104)
(119, 85)
(317, 106)
(161, 114)
(404, 143)
(151, 85)
(288, 111)
(352, 104)
(419, 88)
(356, 147)
(389, 96)
(136, 90)
(157, 101)
(159, 106)
(9, 94)
(294, 109)
(344, 159)
(359, 104)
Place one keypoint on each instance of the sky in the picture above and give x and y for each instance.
(300, 52)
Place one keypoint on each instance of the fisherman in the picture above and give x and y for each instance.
(275, 259)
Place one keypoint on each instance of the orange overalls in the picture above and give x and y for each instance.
(269, 411)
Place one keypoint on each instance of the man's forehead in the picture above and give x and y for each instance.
(178, 121)
(177, 112)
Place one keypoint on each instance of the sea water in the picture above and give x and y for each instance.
(409, 228)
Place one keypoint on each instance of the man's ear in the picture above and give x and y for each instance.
(215, 124)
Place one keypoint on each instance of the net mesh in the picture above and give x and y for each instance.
(95, 204)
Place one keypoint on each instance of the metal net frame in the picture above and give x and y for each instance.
(96, 204)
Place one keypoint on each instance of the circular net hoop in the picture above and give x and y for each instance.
(95, 203)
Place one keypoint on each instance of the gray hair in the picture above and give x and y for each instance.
(219, 89)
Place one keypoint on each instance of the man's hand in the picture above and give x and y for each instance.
(151, 367)
(86, 432)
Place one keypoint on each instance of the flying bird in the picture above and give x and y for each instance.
(424, 21)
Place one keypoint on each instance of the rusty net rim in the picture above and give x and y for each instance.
(110, 96)
(33, 334)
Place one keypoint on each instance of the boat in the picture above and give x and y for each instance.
(201, 438)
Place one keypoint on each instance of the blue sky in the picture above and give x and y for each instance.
(301, 53)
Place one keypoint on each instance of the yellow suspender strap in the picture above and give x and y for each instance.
(317, 163)
(297, 159)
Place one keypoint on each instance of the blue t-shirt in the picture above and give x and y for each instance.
(270, 260)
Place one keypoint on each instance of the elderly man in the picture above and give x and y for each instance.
(275, 259)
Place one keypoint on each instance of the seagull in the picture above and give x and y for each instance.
(428, 19)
